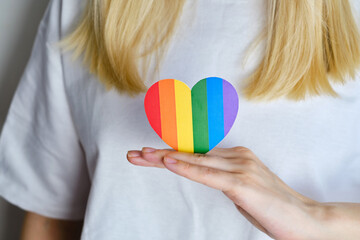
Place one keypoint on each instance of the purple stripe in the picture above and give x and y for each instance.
(231, 104)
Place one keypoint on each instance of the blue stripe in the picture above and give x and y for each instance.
(214, 87)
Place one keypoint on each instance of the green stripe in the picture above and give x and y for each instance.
(200, 117)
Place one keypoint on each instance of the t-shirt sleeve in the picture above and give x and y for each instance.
(42, 163)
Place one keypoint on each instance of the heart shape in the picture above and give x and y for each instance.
(193, 120)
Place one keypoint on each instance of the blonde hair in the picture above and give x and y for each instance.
(308, 43)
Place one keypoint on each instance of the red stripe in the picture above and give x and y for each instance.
(152, 108)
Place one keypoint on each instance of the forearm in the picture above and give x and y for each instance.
(37, 227)
(337, 221)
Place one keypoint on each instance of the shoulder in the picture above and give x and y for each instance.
(61, 17)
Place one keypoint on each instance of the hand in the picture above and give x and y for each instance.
(259, 195)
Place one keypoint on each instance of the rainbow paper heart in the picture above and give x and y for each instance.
(191, 120)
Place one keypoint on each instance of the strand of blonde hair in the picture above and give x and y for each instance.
(309, 43)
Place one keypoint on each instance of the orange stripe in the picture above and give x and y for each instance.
(168, 112)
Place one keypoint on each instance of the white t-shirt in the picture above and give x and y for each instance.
(64, 143)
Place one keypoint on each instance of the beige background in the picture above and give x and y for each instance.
(19, 20)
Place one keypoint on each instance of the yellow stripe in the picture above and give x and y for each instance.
(184, 117)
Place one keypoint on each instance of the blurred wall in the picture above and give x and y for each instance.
(19, 20)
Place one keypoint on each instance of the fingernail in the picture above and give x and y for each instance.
(148, 149)
(170, 160)
(133, 153)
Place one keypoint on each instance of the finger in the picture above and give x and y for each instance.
(135, 158)
(150, 154)
(234, 152)
(210, 177)
(155, 155)
(224, 164)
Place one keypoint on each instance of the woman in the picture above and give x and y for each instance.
(288, 169)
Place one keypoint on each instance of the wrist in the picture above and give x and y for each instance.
(312, 218)
(323, 220)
